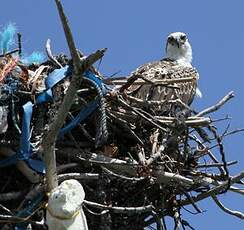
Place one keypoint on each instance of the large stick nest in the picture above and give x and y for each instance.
(137, 166)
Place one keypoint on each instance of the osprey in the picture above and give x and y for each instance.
(176, 65)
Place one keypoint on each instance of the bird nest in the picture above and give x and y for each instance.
(136, 164)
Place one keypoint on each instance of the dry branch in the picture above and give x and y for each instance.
(48, 143)
(214, 190)
(217, 106)
(143, 82)
(231, 212)
(130, 210)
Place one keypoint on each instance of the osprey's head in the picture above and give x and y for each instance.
(178, 48)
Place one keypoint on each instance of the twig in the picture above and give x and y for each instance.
(192, 201)
(10, 52)
(122, 102)
(69, 38)
(166, 177)
(156, 83)
(222, 119)
(189, 122)
(177, 219)
(217, 106)
(104, 160)
(19, 44)
(128, 82)
(122, 176)
(16, 219)
(141, 155)
(155, 155)
(155, 141)
(222, 153)
(12, 195)
(83, 130)
(231, 212)
(50, 55)
(210, 154)
(22, 166)
(152, 219)
(125, 210)
(214, 190)
(232, 132)
(237, 190)
(78, 176)
(64, 167)
(158, 221)
(127, 128)
(49, 139)
(216, 164)
(6, 209)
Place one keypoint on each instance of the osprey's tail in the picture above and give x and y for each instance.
(198, 93)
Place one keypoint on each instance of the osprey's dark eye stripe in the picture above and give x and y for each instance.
(183, 37)
(170, 39)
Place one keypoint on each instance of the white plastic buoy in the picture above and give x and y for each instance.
(3, 119)
(64, 210)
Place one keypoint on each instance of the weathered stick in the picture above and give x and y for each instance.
(124, 104)
(10, 52)
(145, 103)
(69, 38)
(217, 106)
(130, 210)
(80, 66)
(166, 177)
(189, 122)
(50, 55)
(155, 81)
(49, 139)
(214, 190)
(78, 176)
(215, 164)
(22, 166)
(227, 210)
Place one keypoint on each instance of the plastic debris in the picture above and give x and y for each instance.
(34, 58)
(64, 210)
(7, 37)
(3, 119)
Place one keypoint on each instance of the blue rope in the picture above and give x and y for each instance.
(91, 107)
(101, 127)
(83, 114)
(32, 206)
(25, 151)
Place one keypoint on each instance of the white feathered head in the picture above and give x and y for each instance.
(178, 48)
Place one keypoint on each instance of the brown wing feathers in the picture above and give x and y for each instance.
(166, 69)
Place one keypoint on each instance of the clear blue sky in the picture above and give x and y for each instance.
(134, 31)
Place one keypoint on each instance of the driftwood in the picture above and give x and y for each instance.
(136, 165)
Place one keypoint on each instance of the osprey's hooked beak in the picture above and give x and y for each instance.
(177, 42)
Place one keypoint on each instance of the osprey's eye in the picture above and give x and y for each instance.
(183, 37)
(170, 39)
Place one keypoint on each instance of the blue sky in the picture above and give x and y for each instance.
(134, 32)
